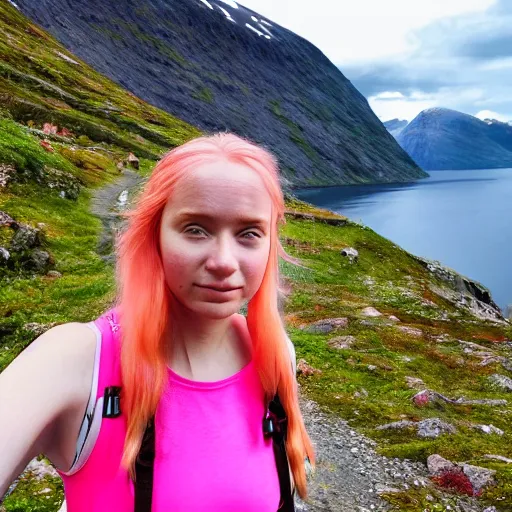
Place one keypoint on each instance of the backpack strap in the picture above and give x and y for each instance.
(274, 425)
(144, 470)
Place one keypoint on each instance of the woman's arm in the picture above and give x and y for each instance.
(43, 391)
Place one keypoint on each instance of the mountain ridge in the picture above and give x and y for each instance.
(273, 87)
(441, 138)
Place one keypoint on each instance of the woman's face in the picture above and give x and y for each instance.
(215, 238)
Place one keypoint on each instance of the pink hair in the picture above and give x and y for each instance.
(144, 301)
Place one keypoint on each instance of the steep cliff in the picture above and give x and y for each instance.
(220, 66)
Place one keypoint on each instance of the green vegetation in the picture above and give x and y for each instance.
(382, 356)
(296, 132)
(204, 94)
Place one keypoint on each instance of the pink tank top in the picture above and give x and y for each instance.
(210, 450)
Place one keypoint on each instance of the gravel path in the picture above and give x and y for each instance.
(350, 474)
(107, 203)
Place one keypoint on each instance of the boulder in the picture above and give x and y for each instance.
(133, 161)
(326, 325)
(350, 253)
(39, 260)
(370, 311)
(434, 427)
(26, 238)
(303, 368)
(488, 429)
(501, 381)
(479, 477)
(437, 465)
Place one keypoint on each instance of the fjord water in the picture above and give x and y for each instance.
(461, 218)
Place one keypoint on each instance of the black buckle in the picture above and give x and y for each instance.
(111, 402)
(275, 422)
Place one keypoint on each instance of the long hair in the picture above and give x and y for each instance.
(144, 298)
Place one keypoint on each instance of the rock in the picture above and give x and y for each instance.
(350, 253)
(7, 173)
(341, 342)
(397, 425)
(507, 364)
(326, 325)
(4, 254)
(501, 381)
(393, 318)
(498, 457)
(371, 367)
(133, 161)
(303, 368)
(414, 383)
(437, 465)
(39, 260)
(7, 220)
(26, 238)
(434, 427)
(479, 477)
(54, 274)
(488, 429)
(370, 311)
(410, 330)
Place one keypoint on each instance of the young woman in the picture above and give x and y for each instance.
(174, 366)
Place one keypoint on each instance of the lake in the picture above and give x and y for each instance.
(461, 218)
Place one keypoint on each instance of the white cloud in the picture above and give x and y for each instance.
(497, 64)
(489, 114)
(408, 107)
(389, 95)
(365, 30)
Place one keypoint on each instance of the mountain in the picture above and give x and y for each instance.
(220, 66)
(439, 138)
(395, 126)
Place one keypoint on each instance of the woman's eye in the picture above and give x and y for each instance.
(253, 235)
(195, 231)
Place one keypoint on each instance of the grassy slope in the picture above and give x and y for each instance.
(329, 286)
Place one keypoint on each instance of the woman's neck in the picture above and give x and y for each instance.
(207, 349)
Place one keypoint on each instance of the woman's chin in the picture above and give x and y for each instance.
(217, 310)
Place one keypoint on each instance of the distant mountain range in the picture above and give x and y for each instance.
(220, 66)
(440, 138)
(395, 126)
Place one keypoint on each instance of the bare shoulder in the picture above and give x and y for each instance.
(45, 388)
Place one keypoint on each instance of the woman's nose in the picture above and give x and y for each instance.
(222, 258)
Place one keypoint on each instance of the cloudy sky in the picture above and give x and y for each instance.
(408, 55)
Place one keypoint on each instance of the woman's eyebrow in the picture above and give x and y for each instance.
(184, 215)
